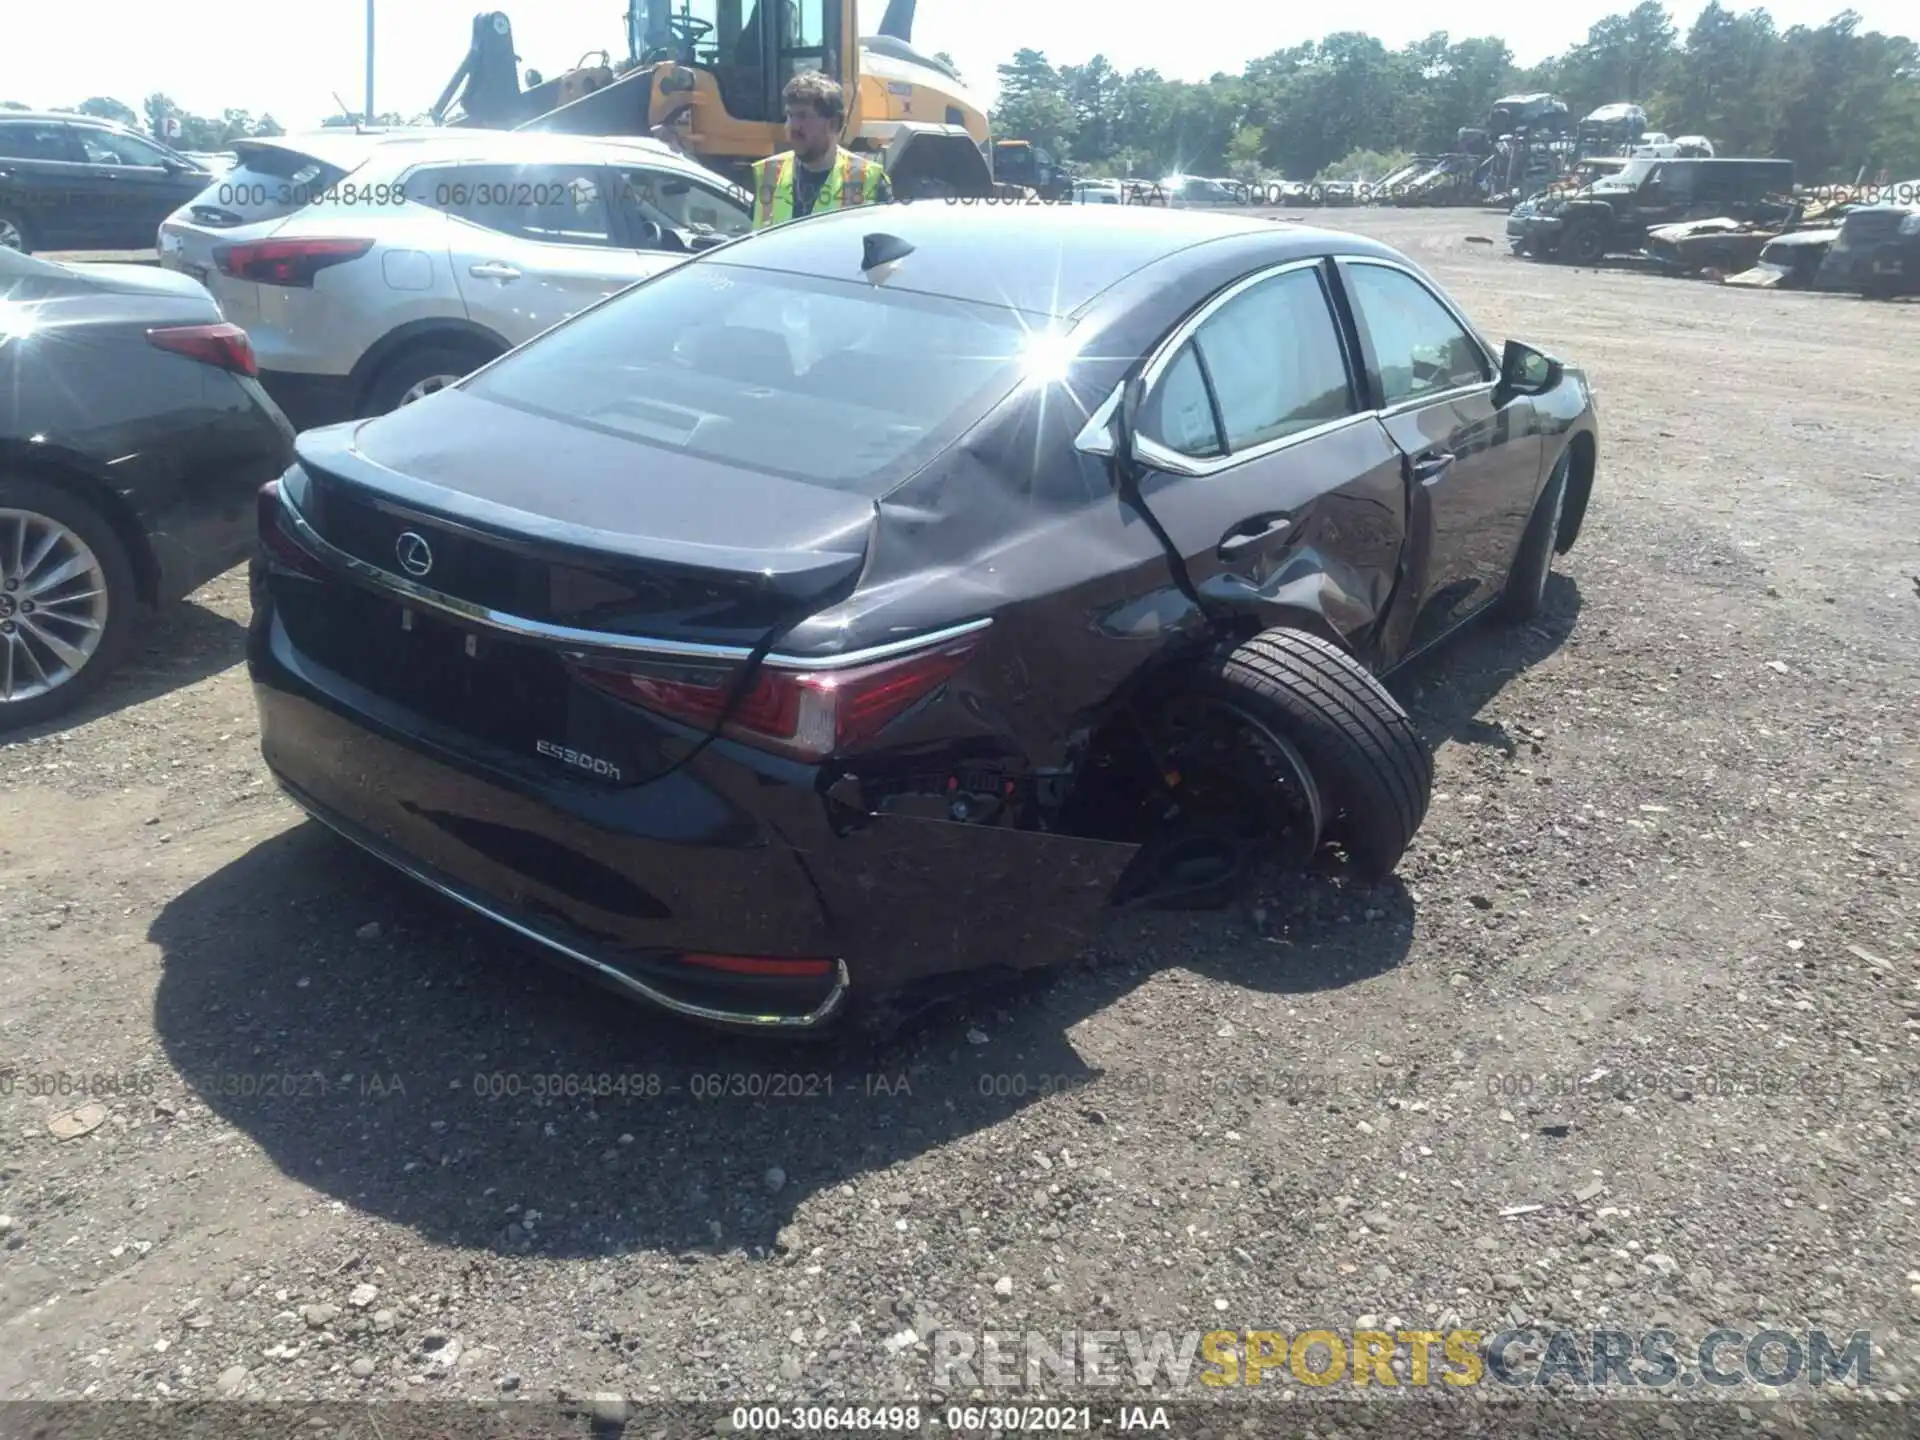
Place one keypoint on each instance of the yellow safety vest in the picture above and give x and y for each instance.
(853, 180)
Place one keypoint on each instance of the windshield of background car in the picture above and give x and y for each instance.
(837, 383)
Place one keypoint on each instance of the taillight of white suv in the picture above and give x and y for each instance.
(286, 262)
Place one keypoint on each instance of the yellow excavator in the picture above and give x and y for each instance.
(707, 75)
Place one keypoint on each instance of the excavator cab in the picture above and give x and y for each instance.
(707, 77)
(752, 48)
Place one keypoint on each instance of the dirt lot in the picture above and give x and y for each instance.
(1651, 971)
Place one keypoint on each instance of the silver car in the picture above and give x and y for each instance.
(371, 269)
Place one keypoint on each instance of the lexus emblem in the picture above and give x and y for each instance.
(416, 556)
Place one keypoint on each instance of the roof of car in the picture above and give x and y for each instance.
(1043, 259)
(348, 148)
(64, 117)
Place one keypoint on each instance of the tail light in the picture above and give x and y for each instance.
(281, 550)
(803, 714)
(226, 346)
(286, 262)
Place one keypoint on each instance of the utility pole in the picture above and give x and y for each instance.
(370, 111)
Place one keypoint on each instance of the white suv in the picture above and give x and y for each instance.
(370, 269)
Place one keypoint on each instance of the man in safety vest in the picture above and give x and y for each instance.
(817, 174)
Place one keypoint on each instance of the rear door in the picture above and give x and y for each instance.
(1472, 467)
(1276, 485)
(531, 244)
(43, 184)
(137, 183)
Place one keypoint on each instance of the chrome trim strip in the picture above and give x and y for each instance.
(599, 641)
(820, 1014)
(1161, 458)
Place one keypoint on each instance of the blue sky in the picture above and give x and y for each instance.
(59, 55)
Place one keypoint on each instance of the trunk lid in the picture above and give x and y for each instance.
(541, 542)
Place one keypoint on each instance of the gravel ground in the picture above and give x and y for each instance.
(1631, 1040)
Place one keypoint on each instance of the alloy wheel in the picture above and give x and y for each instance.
(10, 236)
(1238, 777)
(53, 605)
(425, 386)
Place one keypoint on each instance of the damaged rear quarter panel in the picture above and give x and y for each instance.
(1016, 524)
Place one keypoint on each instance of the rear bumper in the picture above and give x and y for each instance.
(209, 527)
(721, 857)
(311, 400)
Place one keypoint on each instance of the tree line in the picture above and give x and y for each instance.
(1836, 100)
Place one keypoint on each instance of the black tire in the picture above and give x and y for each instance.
(1583, 243)
(1573, 512)
(1374, 772)
(1526, 588)
(12, 222)
(57, 504)
(418, 363)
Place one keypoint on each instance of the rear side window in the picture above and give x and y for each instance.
(34, 140)
(1268, 364)
(265, 183)
(1275, 360)
(554, 204)
(1179, 413)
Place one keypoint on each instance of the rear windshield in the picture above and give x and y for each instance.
(265, 183)
(837, 383)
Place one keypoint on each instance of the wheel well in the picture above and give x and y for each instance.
(1580, 470)
(28, 232)
(114, 510)
(408, 338)
(1109, 783)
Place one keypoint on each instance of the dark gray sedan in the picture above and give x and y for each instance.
(871, 601)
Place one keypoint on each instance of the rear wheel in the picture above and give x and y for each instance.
(419, 371)
(14, 234)
(67, 598)
(1364, 775)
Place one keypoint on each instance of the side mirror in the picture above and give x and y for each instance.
(1525, 371)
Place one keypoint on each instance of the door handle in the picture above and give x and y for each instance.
(493, 270)
(1249, 533)
(1431, 466)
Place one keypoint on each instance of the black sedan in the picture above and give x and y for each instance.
(133, 442)
(864, 606)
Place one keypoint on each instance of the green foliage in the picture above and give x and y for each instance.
(1834, 99)
(1365, 165)
(108, 109)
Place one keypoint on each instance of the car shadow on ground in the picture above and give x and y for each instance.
(178, 646)
(435, 1073)
(441, 1077)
